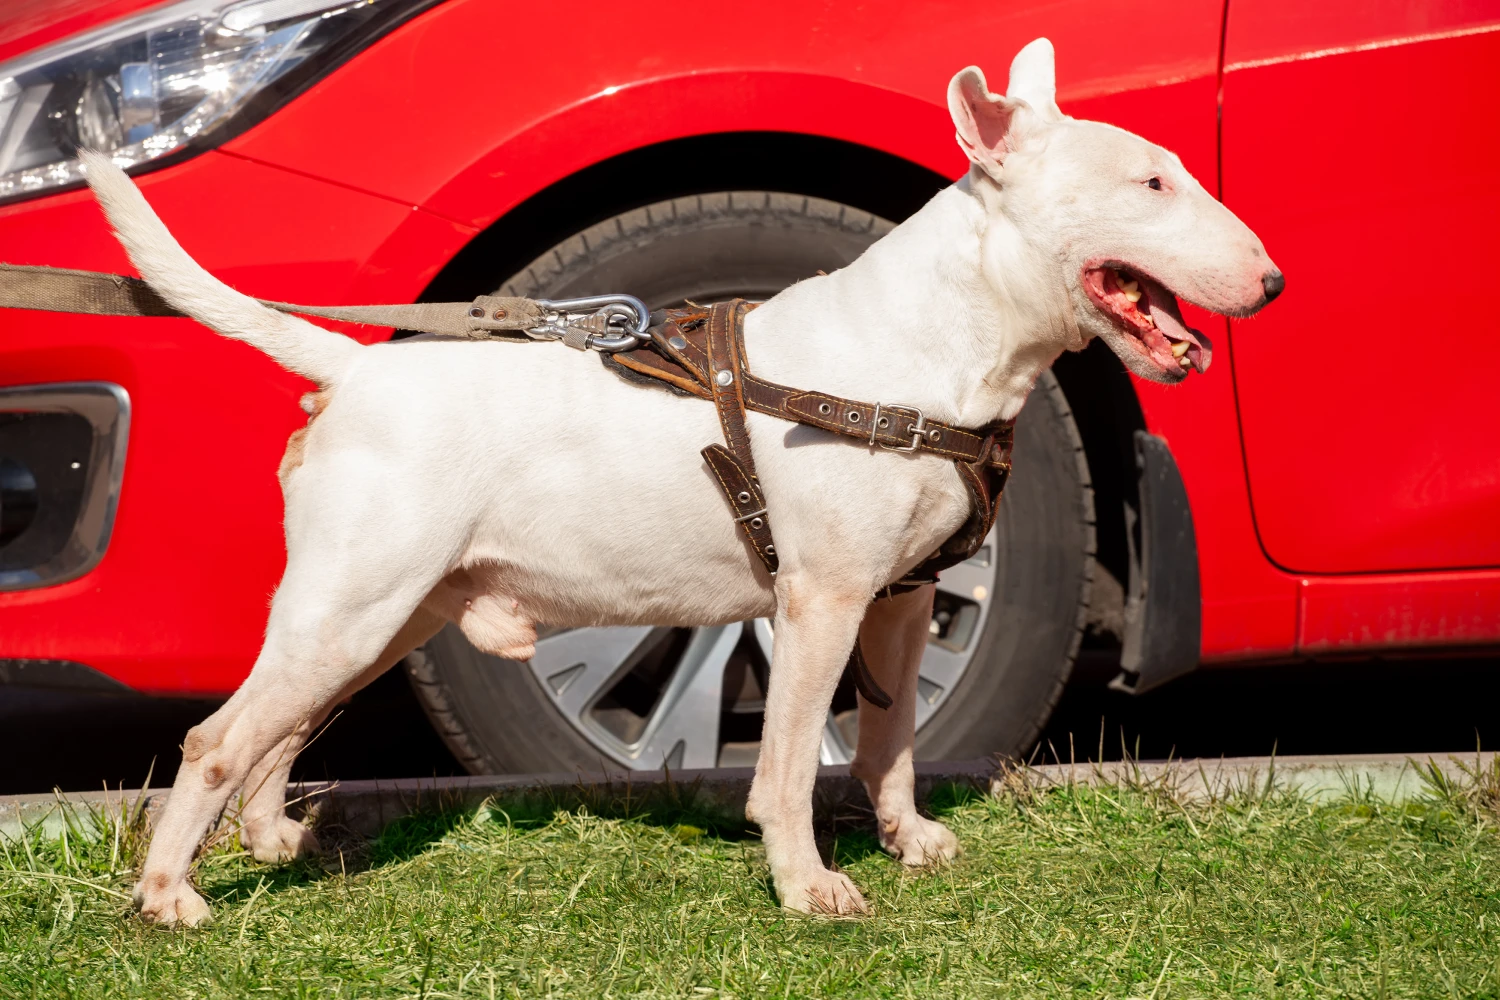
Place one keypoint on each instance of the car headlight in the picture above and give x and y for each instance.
(175, 80)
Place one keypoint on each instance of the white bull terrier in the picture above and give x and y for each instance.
(443, 480)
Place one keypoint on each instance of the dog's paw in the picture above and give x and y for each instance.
(915, 841)
(159, 900)
(822, 892)
(282, 839)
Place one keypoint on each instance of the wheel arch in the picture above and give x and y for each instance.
(867, 178)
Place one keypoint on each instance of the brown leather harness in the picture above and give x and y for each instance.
(701, 352)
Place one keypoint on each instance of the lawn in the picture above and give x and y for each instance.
(1120, 891)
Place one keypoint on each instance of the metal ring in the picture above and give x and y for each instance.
(854, 416)
(770, 550)
(743, 497)
(824, 409)
(477, 312)
(883, 422)
(757, 523)
(934, 434)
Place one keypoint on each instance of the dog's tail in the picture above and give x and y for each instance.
(293, 343)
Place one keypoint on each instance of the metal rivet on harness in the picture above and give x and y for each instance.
(677, 343)
(824, 409)
(477, 312)
(500, 314)
(743, 497)
(757, 523)
(933, 435)
(724, 377)
(883, 422)
(854, 416)
(771, 551)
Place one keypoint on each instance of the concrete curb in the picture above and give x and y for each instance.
(365, 807)
(1387, 777)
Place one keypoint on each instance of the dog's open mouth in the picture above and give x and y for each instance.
(1148, 314)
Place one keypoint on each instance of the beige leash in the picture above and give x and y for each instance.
(608, 322)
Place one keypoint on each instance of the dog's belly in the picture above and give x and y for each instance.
(585, 594)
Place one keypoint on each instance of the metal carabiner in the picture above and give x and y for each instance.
(625, 317)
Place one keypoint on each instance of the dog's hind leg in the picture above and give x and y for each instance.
(265, 828)
(814, 632)
(893, 636)
(338, 608)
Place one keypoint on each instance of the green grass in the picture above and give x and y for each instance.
(1119, 892)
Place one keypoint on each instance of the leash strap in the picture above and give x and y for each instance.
(55, 289)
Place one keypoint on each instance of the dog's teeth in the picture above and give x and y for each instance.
(1180, 348)
(1132, 294)
(1184, 363)
(1129, 286)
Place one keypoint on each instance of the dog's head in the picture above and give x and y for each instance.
(1126, 228)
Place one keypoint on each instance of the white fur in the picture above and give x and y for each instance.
(294, 343)
(501, 486)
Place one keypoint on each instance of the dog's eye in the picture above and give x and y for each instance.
(1154, 184)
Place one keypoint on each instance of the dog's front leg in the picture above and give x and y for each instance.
(893, 636)
(814, 632)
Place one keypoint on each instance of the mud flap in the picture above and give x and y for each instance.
(1163, 610)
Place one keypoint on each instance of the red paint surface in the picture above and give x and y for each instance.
(418, 146)
(26, 25)
(179, 602)
(475, 137)
(1399, 611)
(1367, 392)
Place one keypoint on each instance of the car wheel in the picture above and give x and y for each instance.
(1006, 625)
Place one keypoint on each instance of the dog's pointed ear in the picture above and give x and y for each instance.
(1033, 79)
(985, 122)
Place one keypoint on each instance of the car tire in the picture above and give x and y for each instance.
(497, 716)
(1044, 534)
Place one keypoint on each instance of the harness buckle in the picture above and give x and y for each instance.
(916, 428)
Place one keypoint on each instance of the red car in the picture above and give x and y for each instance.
(1332, 486)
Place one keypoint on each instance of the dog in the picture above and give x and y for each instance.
(498, 487)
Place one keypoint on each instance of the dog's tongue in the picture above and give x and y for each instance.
(1168, 317)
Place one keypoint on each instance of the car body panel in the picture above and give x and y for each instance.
(26, 25)
(1396, 611)
(1367, 438)
(645, 72)
(364, 186)
(178, 604)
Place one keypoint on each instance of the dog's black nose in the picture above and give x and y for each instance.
(1273, 283)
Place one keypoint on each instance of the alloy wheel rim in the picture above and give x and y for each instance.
(583, 670)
